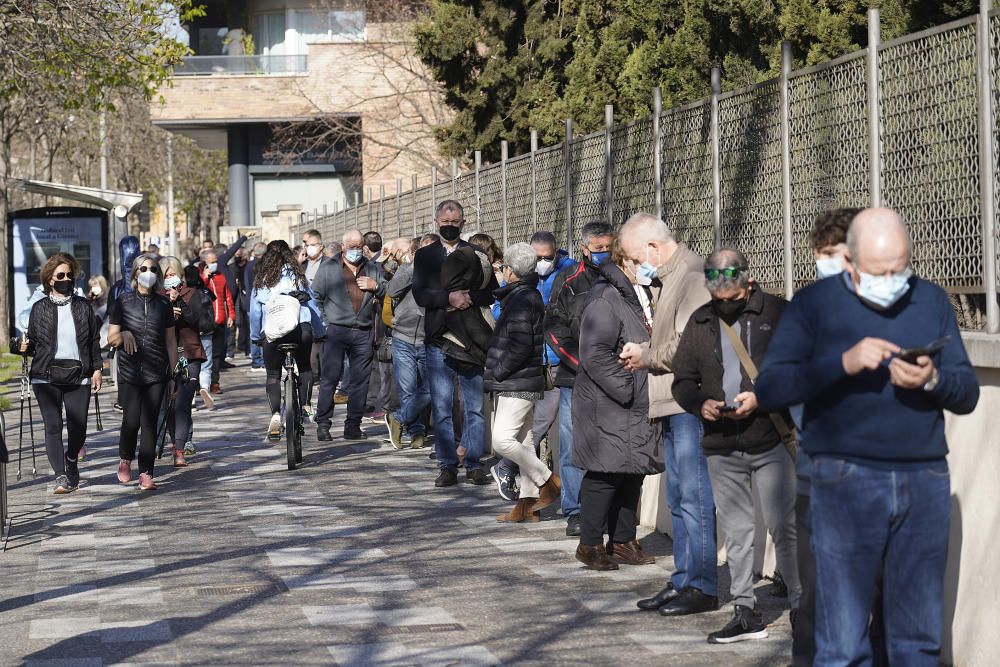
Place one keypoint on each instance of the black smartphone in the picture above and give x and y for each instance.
(910, 355)
(728, 408)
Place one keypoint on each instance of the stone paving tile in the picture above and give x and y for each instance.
(355, 559)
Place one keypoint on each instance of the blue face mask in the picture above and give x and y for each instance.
(829, 266)
(353, 255)
(598, 257)
(883, 291)
(646, 272)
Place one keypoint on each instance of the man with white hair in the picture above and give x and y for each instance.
(876, 357)
(674, 273)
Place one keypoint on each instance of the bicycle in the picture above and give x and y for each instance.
(291, 408)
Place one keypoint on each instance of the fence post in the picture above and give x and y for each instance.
(534, 198)
(357, 211)
(503, 192)
(568, 182)
(479, 166)
(657, 154)
(609, 168)
(987, 166)
(368, 208)
(454, 178)
(413, 197)
(399, 207)
(786, 167)
(381, 209)
(434, 180)
(716, 165)
(874, 146)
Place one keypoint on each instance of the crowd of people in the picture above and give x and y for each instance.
(824, 415)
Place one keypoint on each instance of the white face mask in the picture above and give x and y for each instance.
(173, 282)
(96, 290)
(147, 279)
(829, 266)
(312, 251)
(211, 268)
(883, 291)
(544, 267)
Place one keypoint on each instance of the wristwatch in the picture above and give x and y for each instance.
(933, 382)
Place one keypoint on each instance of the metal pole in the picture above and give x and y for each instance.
(399, 207)
(103, 134)
(454, 178)
(657, 154)
(171, 230)
(413, 193)
(503, 192)
(786, 168)
(568, 184)
(381, 208)
(716, 151)
(434, 180)
(609, 173)
(987, 166)
(479, 166)
(534, 181)
(874, 147)
(357, 210)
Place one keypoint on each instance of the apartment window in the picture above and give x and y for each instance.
(344, 24)
(269, 34)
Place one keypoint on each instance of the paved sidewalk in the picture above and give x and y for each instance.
(354, 559)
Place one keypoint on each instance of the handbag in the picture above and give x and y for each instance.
(65, 371)
(785, 431)
(384, 351)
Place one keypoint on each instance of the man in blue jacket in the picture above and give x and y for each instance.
(873, 425)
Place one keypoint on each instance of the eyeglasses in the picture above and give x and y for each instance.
(64, 275)
(729, 272)
(154, 269)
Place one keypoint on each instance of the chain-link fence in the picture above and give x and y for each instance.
(752, 168)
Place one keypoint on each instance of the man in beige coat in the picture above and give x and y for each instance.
(675, 277)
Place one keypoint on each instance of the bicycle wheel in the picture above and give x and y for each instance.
(298, 425)
(291, 419)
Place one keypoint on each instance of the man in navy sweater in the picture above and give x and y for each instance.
(873, 425)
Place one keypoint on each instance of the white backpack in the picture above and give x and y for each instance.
(281, 316)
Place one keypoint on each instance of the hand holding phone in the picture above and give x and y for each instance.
(910, 355)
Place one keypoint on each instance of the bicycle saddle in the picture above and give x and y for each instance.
(288, 347)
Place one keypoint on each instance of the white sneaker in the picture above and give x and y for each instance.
(274, 428)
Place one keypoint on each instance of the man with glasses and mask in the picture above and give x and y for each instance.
(876, 357)
(723, 344)
(430, 294)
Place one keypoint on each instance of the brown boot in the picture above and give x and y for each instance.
(216, 389)
(521, 513)
(629, 553)
(595, 558)
(179, 460)
(548, 493)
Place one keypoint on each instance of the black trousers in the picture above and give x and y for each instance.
(181, 429)
(51, 399)
(219, 337)
(140, 408)
(274, 359)
(609, 501)
(359, 344)
(243, 340)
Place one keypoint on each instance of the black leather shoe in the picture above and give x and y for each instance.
(354, 432)
(323, 433)
(663, 597)
(573, 526)
(447, 477)
(690, 601)
(478, 477)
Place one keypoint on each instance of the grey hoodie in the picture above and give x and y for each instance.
(408, 317)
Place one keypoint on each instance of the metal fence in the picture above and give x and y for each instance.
(241, 65)
(911, 124)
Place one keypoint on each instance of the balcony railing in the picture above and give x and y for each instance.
(241, 65)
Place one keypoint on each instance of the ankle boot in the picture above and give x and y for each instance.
(522, 512)
(548, 493)
(179, 460)
(595, 558)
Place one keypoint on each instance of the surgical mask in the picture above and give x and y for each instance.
(96, 290)
(64, 287)
(211, 268)
(646, 272)
(449, 232)
(353, 255)
(598, 257)
(147, 279)
(544, 267)
(313, 251)
(391, 265)
(729, 310)
(173, 282)
(829, 266)
(883, 291)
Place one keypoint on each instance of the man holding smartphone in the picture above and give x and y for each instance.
(873, 425)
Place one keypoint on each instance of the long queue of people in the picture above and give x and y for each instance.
(822, 414)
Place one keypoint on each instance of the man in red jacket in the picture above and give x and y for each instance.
(224, 311)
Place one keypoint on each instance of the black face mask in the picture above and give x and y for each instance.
(729, 310)
(64, 287)
(449, 232)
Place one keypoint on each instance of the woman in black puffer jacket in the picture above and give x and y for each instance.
(142, 331)
(63, 336)
(514, 371)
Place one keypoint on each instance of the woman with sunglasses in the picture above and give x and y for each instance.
(142, 331)
(63, 335)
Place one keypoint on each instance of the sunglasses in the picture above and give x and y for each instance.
(154, 269)
(64, 275)
(729, 272)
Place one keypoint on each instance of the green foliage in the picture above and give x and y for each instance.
(509, 67)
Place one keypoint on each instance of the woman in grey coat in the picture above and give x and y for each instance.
(613, 438)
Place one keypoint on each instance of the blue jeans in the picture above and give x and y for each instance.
(692, 507)
(441, 372)
(256, 356)
(205, 375)
(570, 476)
(409, 365)
(869, 519)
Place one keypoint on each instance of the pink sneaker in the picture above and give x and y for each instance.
(124, 471)
(146, 482)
